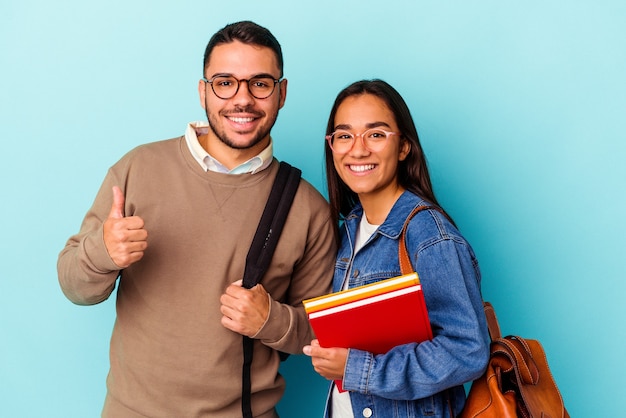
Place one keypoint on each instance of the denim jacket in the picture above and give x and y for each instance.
(417, 380)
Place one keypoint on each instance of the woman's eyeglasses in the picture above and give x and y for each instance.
(374, 140)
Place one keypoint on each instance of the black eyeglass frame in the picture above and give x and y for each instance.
(239, 81)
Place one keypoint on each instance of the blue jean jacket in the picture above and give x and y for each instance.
(417, 380)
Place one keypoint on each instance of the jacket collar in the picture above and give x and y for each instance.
(392, 226)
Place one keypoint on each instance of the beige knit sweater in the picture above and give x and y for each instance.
(170, 356)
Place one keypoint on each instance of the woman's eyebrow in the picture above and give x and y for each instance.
(347, 127)
(377, 124)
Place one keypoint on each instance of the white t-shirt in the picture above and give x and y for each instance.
(341, 406)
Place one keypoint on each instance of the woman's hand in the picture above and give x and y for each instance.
(328, 362)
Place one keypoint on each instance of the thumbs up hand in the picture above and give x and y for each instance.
(124, 237)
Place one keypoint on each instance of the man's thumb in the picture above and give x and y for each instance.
(117, 209)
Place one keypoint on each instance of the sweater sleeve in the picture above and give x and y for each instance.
(86, 272)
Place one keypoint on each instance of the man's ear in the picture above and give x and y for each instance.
(283, 93)
(202, 93)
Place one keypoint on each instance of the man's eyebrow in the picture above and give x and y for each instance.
(219, 75)
(259, 75)
(263, 75)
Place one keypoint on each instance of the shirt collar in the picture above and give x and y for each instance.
(209, 163)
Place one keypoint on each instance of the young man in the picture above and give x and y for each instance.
(174, 220)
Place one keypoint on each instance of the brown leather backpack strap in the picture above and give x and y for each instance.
(521, 356)
(492, 321)
(403, 255)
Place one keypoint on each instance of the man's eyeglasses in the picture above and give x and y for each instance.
(374, 140)
(225, 87)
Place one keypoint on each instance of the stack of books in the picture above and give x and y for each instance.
(374, 318)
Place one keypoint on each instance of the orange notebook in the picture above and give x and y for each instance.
(373, 318)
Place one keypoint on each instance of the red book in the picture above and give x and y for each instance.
(373, 318)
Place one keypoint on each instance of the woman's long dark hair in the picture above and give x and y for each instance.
(412, 172)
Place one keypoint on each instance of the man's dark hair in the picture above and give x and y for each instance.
(246, 32)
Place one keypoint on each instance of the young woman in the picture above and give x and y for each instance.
(377, 174)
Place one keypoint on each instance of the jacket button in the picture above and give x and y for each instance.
(367, 412)
(355, 273)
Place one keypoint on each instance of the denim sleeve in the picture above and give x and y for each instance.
(459, 351)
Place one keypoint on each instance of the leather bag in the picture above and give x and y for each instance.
(517, 382)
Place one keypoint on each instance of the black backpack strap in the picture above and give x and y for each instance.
(260, 255)
(271, 224)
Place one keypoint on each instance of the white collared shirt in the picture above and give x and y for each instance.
(209, 163)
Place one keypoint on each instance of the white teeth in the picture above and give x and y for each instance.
(241, 120)
(361, 168)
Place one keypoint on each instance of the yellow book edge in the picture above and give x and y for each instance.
(345, 296)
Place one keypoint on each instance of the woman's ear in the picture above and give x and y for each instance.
(405, 148)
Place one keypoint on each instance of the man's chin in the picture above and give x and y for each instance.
(244, 141)
(241, 140)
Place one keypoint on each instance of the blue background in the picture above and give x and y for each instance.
(521, 107)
